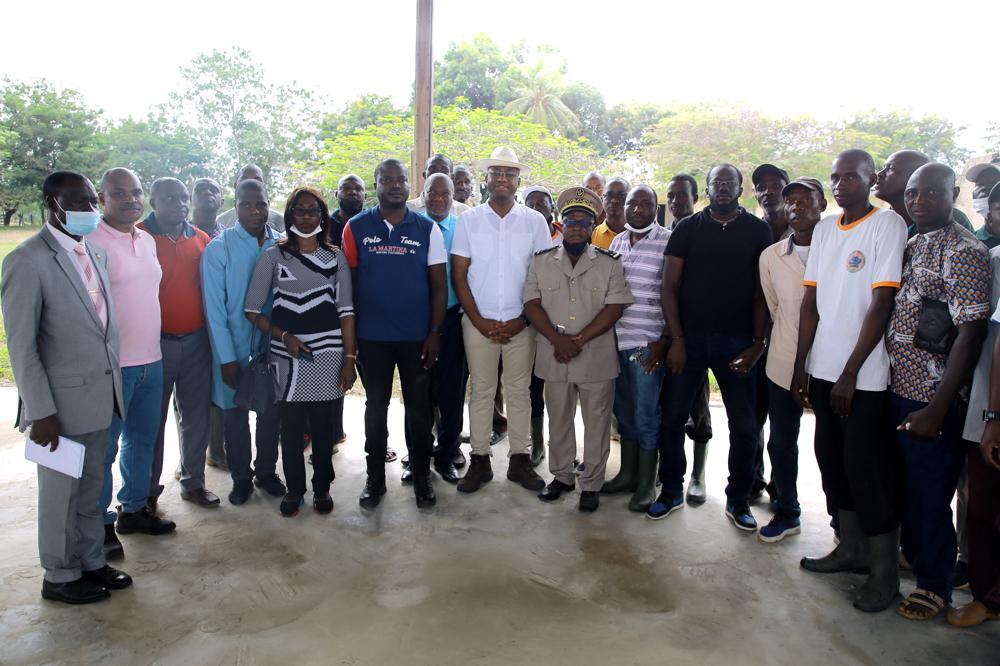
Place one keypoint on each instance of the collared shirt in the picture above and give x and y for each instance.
(782, 267)
(226, 266)
(419, 205)
(69, 245)
(603, 235)
(275, 220)
(957, 216)
(948, 265)
(447, 227)
(642, 322)
(500, 250)
(181, 310)
(135, 275)
(215, 231)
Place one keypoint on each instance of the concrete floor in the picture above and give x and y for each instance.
(493, 578)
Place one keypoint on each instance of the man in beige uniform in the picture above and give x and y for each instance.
(573, 296)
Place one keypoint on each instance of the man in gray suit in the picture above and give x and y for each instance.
(63, 345)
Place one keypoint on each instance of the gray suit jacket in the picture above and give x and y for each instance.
(64, 361)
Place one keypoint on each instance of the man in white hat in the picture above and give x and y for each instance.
(491, 252)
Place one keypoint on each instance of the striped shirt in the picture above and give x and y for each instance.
(642, 322)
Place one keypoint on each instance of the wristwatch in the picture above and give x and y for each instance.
(436, 329)
(989, 415)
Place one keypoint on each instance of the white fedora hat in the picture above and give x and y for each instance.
(503, 156)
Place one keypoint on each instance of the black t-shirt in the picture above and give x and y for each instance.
(337, 224)
(717, 283)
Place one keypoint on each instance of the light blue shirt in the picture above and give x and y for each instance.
(226, 267)
(447, 227)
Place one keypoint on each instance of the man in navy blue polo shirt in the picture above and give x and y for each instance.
(397, 260)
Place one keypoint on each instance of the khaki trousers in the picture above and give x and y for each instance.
(484, 357)
(595, 399)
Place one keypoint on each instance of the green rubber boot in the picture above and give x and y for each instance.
(645, 482)
(625, 481)
(851, 554)
(537, 440)
(882, 586)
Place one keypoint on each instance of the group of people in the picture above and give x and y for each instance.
(875, 318)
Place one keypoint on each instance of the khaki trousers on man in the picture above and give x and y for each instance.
(596, 399)
(484, 360)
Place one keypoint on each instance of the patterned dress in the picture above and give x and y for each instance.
(311, 293)
(949, 265)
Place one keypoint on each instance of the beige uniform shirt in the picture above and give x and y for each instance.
(781, 271)
(572, 296)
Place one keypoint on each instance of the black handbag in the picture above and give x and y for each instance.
(258, 389)
(935, 330)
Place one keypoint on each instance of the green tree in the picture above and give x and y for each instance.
(933, 135)
(628, 123)
(462, 134)
(43, 129)
(357, 114)
(469, 73)
(153, 151)
(236, 113)
(587, 103)
(537, 99)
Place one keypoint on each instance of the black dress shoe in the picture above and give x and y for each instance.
(448, 472)
(589, 500)
(241, 492)
(459, 461)
(271, 485)
(113, 551)
(423, 490)
(113, 579)
(201, 497)
(554, 490)
(79, 591)
(407, 476)
(323, 503)
(372, 493)
(144, 522)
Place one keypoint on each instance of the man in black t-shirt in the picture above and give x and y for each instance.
(716, 318)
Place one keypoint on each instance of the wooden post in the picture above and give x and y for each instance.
(424, 95)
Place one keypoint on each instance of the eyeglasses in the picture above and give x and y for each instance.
(509, 174)
(585, 222)
(307, 212)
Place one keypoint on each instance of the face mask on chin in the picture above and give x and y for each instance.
(314, 232)
(981, 205)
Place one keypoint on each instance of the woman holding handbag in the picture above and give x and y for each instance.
(313, 348)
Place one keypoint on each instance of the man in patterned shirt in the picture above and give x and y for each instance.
(946, 270)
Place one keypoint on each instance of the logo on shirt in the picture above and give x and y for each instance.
(855, 261)
(285, 274)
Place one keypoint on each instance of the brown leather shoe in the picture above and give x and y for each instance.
(971, 614)
(480, 472)
(520, 471)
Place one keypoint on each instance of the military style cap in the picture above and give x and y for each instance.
(809, 183)
(580, 197)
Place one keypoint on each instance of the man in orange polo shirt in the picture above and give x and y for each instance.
(187, 353)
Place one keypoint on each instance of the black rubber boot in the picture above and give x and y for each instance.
(882, 586)
(625, 480)
(537, 440)
(645, 482)
(696, 493)
(851, 554)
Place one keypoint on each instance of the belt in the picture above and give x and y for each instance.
(171, 336)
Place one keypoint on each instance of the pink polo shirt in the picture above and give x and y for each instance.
(135, 289)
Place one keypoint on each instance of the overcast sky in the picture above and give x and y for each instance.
(783, 58)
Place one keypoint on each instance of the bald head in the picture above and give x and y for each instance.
(438, 164)
(169, 198)
(439, 192)
(595, 182)
(851, 178)
(891, 180)
(249, 172)
(351, 178)
(930, 196)
(121, 198)
(445, 179)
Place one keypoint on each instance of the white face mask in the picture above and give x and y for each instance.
(642, 232)
(295, 230)
(981, 205)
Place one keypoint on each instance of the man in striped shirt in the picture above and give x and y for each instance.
(641, 348)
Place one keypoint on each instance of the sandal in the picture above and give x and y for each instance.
(921, 605)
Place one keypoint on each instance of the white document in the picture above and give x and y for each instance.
(67, 458)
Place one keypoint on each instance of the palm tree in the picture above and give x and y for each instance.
(538, 101)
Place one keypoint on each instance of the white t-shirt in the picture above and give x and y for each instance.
(845, 264)
(500, 252)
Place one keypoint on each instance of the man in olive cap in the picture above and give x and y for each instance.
(573, 296)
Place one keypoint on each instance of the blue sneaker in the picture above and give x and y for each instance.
(779, 527)
(741, 516)
(664, 506)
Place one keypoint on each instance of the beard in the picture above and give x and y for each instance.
(725, 209)
(351, 208)
(576, 249)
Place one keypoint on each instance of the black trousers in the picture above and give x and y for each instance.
(449, 378)
(699, 424)
(380, 360)
(855, 456)
(536, 391)
(323, 419)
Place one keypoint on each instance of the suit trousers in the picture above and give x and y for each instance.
(70, 523)
(595, 404)
(187, 372)
(484, 360)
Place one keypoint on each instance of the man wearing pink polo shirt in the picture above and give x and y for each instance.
(135, 283)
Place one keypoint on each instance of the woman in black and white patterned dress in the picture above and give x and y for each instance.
(301, 292)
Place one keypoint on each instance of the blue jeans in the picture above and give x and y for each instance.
(932, 469)
(713, 352)
(236, 428)
(783, 447)
(142, 391)
(637, 399)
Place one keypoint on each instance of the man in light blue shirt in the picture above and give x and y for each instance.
(226, 267)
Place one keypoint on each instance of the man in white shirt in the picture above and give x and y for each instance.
(842, 371)
(227, 219)
(491, 253)
(436, 164)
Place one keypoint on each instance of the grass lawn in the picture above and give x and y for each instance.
(10, 237)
